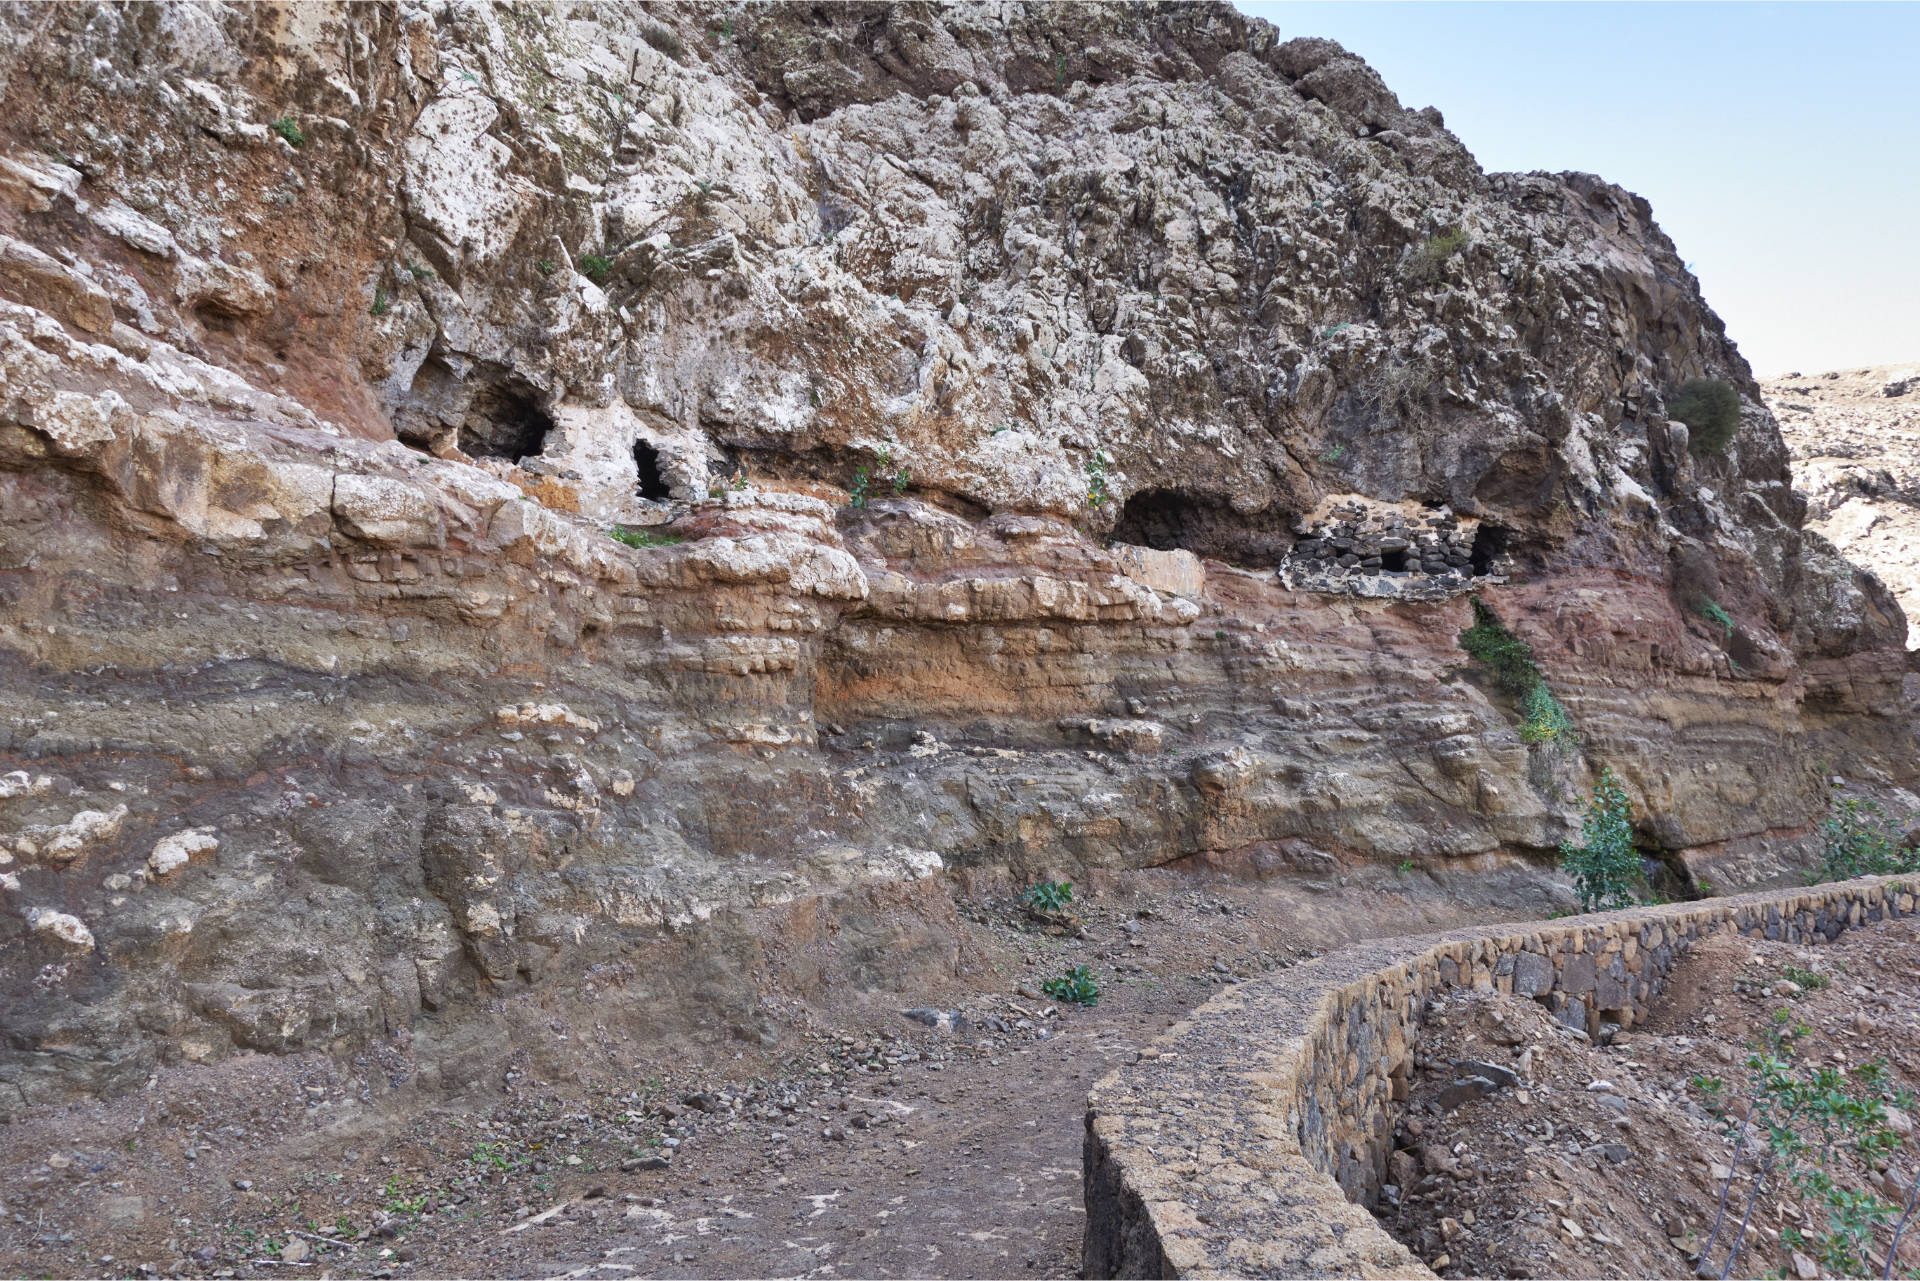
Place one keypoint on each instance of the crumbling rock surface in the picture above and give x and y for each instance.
(1855, 437)
(334, 339)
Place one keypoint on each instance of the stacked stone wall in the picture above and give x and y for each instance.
(1249, 1139)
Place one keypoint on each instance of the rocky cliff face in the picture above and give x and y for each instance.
(1187, 384)
(1855, 437)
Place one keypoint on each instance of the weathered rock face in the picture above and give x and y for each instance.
(334, 338)
(1855, 436)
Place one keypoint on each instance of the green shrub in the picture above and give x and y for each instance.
(1543, 719)
(1808, 980)
(596, 268)
(1709, 608)
(665, 41)
(1858, 839)
(642, 537)
(287, 129)
(1097, 494)
(1711, 410)
(1510, 659)
(1430, 259)
(1806, 1118)
(1075, 986)
(1048, 896)
(1604, 865)
(1501, 652)
(860, 493)
(379, 307)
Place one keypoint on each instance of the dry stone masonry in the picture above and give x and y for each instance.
(1403, 551)
(1249, 1139)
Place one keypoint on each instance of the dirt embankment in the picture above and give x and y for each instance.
(1530, 1151)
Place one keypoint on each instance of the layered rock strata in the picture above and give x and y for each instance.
(963, 383)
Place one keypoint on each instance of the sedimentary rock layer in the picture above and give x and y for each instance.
(973, 386)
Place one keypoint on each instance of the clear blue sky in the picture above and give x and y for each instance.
(1778, 143)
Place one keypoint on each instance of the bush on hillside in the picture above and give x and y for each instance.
(1711, 411)
(1604, 865)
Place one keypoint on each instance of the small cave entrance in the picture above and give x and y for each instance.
(1169, 520)
(1394, 560)
(651, 485)
(505, 420)
(1489, 543)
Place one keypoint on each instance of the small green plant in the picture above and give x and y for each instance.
(1405, 868)
(643, 537)
(1097, 493)
(379, 307)
(544, 266)
(1048, 896)
(1333, 331)
(398, 1202)
(665, 41)
(1430, 258)
(1075, 986)
(490, 1154)
(1858, 839)
(288, 130)
(1807, 1120)
(596, 268)
(1711, 410)
(1333, 455)
(860, 493)
(418, 272)
(1544, 720)
(1808, 980)
(725, 29)
(1709, 608)
(1604, 865)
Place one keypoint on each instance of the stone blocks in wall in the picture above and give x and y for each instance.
(1248, 1139)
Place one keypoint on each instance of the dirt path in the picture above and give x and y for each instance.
(871, 1143)
(974, 1172)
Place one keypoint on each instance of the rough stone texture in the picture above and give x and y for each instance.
(1855, 437)
(1248, 1139)
(333, 338)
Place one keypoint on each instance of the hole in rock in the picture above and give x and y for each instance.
(646, 461)
(1168, 520)
(1393, 560)
(505, 420)
(1488, 542)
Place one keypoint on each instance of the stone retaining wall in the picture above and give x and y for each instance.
(1247, 1140)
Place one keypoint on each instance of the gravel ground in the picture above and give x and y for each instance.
(946, 1143)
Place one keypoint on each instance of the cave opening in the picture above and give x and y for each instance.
(1489, 541)
(651, 485)
(505, 420)
(1394, 560)
(1173, 520)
